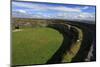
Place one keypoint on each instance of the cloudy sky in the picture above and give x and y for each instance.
(52, 11)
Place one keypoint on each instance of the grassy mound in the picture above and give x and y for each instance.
(34, 45)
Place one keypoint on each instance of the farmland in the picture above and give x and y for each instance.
(37, 41)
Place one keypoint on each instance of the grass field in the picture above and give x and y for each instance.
(34, 45)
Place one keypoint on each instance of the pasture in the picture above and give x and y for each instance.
(34, 45)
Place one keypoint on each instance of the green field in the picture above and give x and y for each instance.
(34, 45)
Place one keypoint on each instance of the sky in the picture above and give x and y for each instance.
(52, 11)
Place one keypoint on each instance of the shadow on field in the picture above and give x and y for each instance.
(68, 35)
